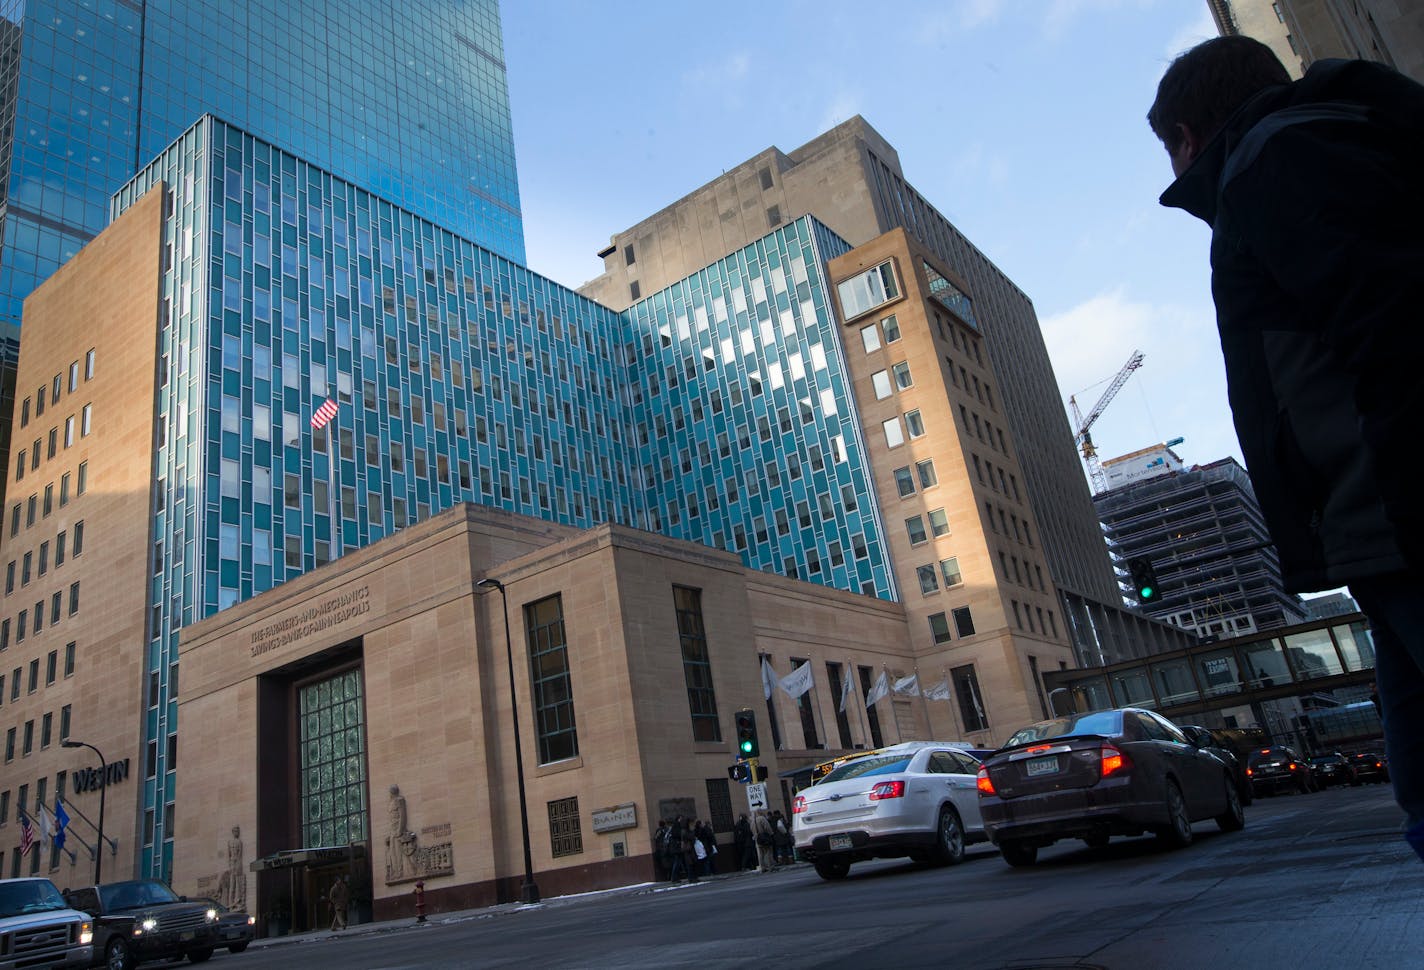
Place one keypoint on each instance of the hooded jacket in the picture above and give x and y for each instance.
(1315, 195)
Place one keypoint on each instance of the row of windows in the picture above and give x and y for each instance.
(85, 425)
(57, 610)
(930, 575)
(1024, 576)
(1005, 484)
(51, 673)
(30, 511)
(40, 558)
(26, 736)
(53, 390)
(1029, 610)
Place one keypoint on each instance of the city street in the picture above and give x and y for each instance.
(1314, 881)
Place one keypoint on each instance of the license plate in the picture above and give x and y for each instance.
(838, 842)
(1041, 766)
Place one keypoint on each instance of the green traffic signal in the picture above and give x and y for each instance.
(1144, 579)
(747, 744)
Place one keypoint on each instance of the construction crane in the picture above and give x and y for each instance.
(1081, 434)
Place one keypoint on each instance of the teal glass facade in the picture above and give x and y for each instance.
(717, 411)
(409, 101)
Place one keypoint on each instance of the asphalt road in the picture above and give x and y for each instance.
(1314, 881)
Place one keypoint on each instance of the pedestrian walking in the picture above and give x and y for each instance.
(782, 839)
(765, 842)
(744, 843)
(676, 869)
(1313, 194)
(340, 897)
(708, 838)
(690, 845)
(660, 836)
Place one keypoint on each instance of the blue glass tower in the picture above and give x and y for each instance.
(404, 97)
(718, 410)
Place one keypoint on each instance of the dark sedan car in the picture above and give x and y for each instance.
(1332, 769)
(236, 929)
(1208, 740)
(1370, 766)
(1093, 776)
(1276, 769)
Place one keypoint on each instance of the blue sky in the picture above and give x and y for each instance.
(1021, 120)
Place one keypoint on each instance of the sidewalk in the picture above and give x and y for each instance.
(407, 923)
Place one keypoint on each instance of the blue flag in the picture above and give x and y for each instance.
(61, 821)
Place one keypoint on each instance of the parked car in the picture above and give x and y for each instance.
(1208, 740)
(236, 929)
(1370, 766)
(1276, 769)
(39, 929)
(1092, 776)
(915, 799)
(1332, 769)
(142, 919)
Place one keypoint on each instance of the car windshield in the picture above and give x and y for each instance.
(886, 765)
(29, 896)
(136, 894)
(1326, 759)
(1107, 723)
(1265, 754)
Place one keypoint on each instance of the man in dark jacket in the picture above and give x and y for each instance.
(1313, 192)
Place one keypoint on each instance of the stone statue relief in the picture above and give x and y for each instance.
(232, 885)
(406, 858)
(400, 841)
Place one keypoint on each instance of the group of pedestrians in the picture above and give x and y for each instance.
(684, 849)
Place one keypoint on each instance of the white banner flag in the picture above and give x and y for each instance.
(798, 681)
(846, 688)
(879, 689)
(938, 692)
(768, 679)
(908, 685)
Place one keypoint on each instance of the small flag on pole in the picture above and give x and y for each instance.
(324, 414)
(61, 822)
(27, 834)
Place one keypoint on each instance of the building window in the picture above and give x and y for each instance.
(902, 375)
(866, 291)
(82, 479)
(719, 804)
(629, 256)
(764, 173)
(949, 569)
(894, 434)
(939, 522)
(565, 833)
(549, 675)
(696, 668)
(926, 471)
(871, 715)
(939, 627)
(20, 464)
(332, 759)
(929, 581)
(914, 423)
(870, 337)
(915, 528)
(73, 600)
(89, 366)
(773, 217)
(78, 545)
(891, 326)
(635, 291)
(836, 677)
(963, 622)
(69, 659)
(880, 380)
(971, 702)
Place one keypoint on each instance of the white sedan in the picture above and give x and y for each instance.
(918, 799)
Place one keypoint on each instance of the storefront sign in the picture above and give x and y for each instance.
(615, 818)
(92, 779)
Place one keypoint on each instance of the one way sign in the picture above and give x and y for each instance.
(756, 797)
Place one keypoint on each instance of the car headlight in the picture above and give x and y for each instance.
(252, 921)
(86, 934)
(212, 916)
(146, 925)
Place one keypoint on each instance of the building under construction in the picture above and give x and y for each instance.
(1204, 534)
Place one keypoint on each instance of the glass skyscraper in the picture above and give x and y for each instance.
(718, 410)
(406, 98)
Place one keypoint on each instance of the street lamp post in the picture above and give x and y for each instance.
(528, 892)
(103, 790)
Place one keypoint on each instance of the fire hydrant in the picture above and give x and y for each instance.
(420, 901)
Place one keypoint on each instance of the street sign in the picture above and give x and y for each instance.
(756, 797)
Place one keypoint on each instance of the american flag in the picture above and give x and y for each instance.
(27, 834)
(324, 414)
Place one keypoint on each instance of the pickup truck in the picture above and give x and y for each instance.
(39, 929)
(142, 919)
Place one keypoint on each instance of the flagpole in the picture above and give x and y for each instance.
(333, 475)
(920, 689)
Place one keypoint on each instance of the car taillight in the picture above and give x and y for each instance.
(1250, 772)
(887, 789)
(986, 787)
(799, 805)
(1293, 766)
(1114, 761)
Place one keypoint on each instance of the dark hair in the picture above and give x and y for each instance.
(1205, 86)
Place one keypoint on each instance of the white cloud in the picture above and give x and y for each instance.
(724, 70)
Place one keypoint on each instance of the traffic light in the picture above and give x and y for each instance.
(1144, 580)
(740, 771)
(747, 745)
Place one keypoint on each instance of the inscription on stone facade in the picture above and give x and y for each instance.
(330, 612)
(615, 818)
